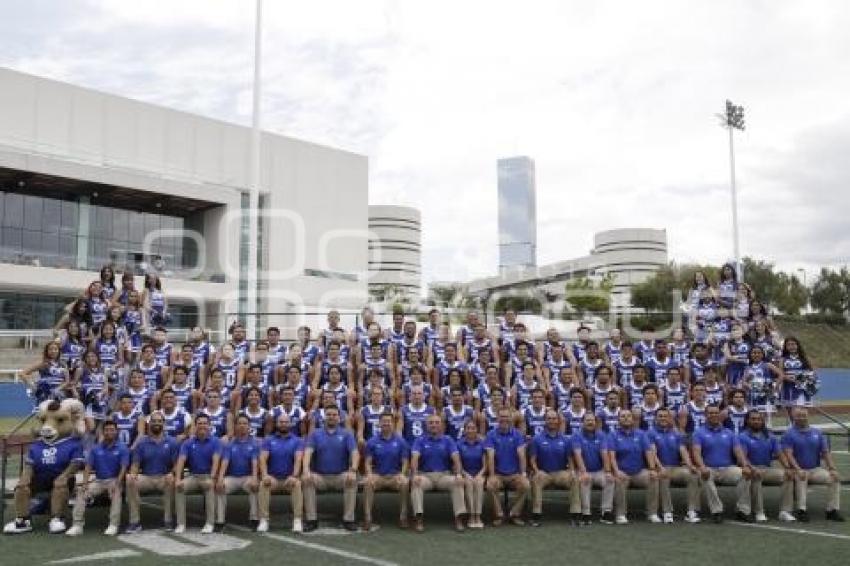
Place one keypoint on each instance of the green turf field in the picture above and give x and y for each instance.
(555, 542)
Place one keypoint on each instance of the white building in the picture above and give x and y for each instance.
(88, 178)
(628, 255)
(395, 249)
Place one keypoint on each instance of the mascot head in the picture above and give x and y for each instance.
(60, 420)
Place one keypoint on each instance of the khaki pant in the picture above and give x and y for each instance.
(375, 483)
(518, 483)
(232, 484)
(563, 479)
(58, 497)
(345, 482)
(473, 491)
(146, 484)
(679, 476)
(751, 489)
(440, 481)
(818, 476)
(598, 479)
(95, 488)
(290, 485)
(729, 475)
(192, 484)
(640, 479)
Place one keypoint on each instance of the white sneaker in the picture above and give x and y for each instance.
(297, 526)
(692, 517)
(263, 526)
(179, 529)
(761, 518)
(668, 518)
(18, 526)
(74, 531)
(56, 526)
(111, 530)
(652, 519)
(206, 530)
(786, 517)
(621, 520)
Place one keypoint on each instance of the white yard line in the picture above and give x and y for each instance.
(110, 555)
(304, 544)
(798, 531)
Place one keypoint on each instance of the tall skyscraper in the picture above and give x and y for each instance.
(517, 213)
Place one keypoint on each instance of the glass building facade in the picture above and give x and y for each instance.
(75, 233)
(517, 213)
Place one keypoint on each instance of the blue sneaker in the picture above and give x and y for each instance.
(133, 528)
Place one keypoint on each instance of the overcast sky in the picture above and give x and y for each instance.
(615, 101)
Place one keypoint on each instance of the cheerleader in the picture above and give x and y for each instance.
(795, 365)
(763, 336)
(727, 286)
(107, 283)
(736, 355)
(133, 321)
(761, 381)
(98, 306)
(52, 379)
(73, 345)
(154, 303)
(128, 285)
(92, 380)
(108, 349)
(79, 314)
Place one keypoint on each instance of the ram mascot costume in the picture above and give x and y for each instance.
(51, 464)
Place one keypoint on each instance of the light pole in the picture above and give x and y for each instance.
(806, 286)
(254, 179)
(734, 120)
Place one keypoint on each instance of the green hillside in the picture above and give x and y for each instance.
(827, 346)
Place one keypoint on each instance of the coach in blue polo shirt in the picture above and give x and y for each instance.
(805, 448)
(673, 464)
(758, 448)
(714, 456)
(633, 464)
(238, 470)
(281, 458)
(109, 461)
(593, 469)
(152, 469)
(507, 466)
(435, 465)
(200, 455)
(387, 460)
(330, 462)
(550, 456)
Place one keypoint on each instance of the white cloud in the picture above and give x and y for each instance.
(615, 101)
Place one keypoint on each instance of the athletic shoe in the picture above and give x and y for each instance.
(802, 515)
(621, 520)
(74, 531)
(207, 529)
(18, 526)
(668, 518)
(692, 517)
(297, 526)
(652, 518)
(254, 524)
(761, 518)
(111, 530)
(517, 520)
(535, 520)
(586, 520)
(834, 515)
(56, 526)
(262, 526)
(607, 518)
(459, 526)
(419, 524)
(786, 517)
(133, 528)
(349, 526)
(180, 529)
(742, 517)
(310, 526)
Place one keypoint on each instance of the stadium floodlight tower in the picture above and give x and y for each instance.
(734, 120)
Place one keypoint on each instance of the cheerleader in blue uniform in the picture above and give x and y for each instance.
(78, 312)
(799, 381)
(727, 286)
(128, 285)
(761, 381)
(154, 301)
(133, 321)
(736, 355)
(73, 345)
(53, 378)
(98, 306)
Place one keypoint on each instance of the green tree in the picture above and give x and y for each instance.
(831, 292)
(584, 295)
(792, 295)
(763, 280)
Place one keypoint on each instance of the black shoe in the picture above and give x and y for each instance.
(586, 520)
(717, 518)
(535, 520)
(834, 515)
(743, 517)
(802, 515)
(218, 528)
(253, 523)
(310, 526)
(574, 519)
(349, 526)
(607, 518)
